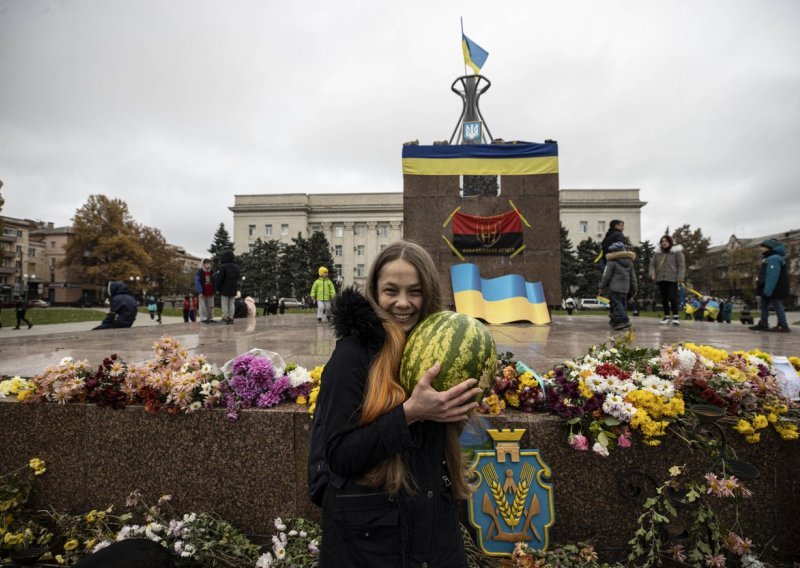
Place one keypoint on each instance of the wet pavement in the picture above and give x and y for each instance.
(299, 338)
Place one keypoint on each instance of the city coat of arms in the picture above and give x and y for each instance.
(513, 501)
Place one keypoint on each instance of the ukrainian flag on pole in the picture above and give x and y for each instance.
(474, 55)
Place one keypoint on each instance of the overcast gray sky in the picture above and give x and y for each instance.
(176, 106)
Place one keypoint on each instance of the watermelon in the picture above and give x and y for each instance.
(462, 344)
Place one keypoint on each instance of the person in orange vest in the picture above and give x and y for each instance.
(323, 292)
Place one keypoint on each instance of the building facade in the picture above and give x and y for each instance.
(586, 213)
(357, 225)
(32, 257)
(731, 270)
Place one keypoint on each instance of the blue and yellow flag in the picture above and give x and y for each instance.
(497, 300)
(474, 55)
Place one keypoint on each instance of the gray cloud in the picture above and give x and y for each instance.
(175, 107)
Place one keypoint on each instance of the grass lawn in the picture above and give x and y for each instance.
(44, 316)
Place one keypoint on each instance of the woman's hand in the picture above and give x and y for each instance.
(452, 405)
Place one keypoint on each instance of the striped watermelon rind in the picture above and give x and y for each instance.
(462, 344)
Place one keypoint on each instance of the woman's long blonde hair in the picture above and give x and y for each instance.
(384, 391)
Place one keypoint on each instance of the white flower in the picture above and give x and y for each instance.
(264, 561)
(686, 359)
(205, 369)
(292, 532)
(279, 524)
(188, 519)
(303, 534)
(280, 553)
(100, 545)
(178, 546)
(600, 449)
(65, 361)
(188, 551)
(196, 405)
(299, 376)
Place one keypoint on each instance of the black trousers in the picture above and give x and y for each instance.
(669, 297)
(21, 317)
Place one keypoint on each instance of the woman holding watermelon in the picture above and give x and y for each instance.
(392, 462)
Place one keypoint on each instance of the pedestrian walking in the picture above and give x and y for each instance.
(159, 308)
(668, 270)
(19, 311)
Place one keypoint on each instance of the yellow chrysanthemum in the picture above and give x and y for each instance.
(753, 438)
(512, 399)
(711, 353)
(301, 399)
(760, 422)
(795, 361)
(766, 357)
(71, 544)
(787, 431)
(584, 390)
(494, 404)
(772, 418)
(37, 465)
(736, 374)
(744, 427)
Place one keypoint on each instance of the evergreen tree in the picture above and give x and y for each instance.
(259, 269)
(222, 242)
(570, 268)
(319, 252)
(287, 265)
(591, 272)
(647, 288)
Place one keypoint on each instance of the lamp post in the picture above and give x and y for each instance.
(134, 283)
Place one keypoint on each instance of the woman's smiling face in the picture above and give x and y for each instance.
(400, 293)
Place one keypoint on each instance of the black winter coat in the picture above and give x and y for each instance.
(364, 526)
(226, 280)
(612, 236)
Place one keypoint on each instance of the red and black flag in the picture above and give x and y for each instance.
(495, 235)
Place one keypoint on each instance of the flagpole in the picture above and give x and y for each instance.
(462, 44)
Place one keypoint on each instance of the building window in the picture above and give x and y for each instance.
(383, 230)
(601, 227)
(360, 250)
(361, 230)
(52, 262)
(251, 230)
(316, 228)
(268, 230)
(284, 230)
(337, 250)
(337, 269)
(31, 252)
(360, 272)
(338, 231)
(250, 246)
(52, 245)
(472, 186)
(583, 227)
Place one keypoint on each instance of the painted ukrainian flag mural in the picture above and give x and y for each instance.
(519, 159)
(497, 300)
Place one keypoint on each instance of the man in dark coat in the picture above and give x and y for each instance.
(613, 235)
(123, 309)
(226, 282)
(772, 285)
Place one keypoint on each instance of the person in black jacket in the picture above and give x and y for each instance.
(19, 311)
(393, 460)
(226, 282)
(123, 309)
(613, 235)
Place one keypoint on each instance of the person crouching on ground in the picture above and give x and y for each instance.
(619, 283)
(123, 309)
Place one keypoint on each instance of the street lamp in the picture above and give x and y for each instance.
(134, 283)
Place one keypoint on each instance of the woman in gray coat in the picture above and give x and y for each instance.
(667, 270)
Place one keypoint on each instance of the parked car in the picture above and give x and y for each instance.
(592, 304)
(290, 302)
(38, 304)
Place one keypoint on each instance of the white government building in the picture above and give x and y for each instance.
(359, 225)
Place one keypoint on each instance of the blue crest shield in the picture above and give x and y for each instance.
(513, 501)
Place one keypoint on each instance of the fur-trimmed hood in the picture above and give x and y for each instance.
(353, 315)
(621, 254)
